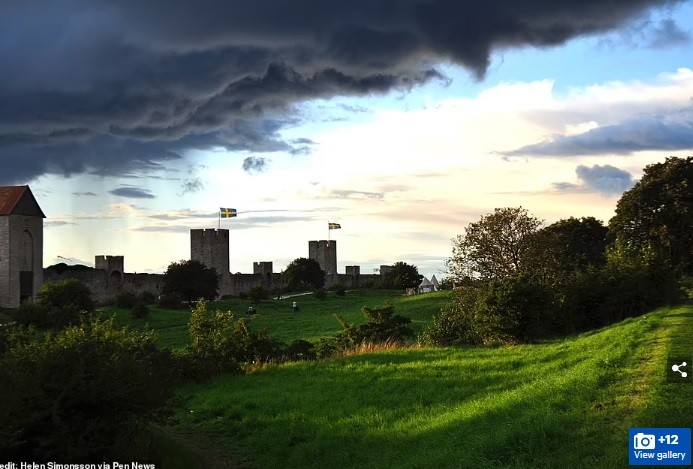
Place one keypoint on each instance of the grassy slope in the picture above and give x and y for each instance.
(567, 403)
(314, 320)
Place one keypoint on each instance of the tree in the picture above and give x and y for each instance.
(493, 248)
(657, 213)
(304, 273)
(258, 293)
(567, 246)
(402, 275)
(191, 280)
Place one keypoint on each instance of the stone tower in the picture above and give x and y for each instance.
(265, 269)
(114, 267)
(21, 246)
(211, 247)
(325, 252)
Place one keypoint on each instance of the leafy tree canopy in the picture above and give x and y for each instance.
(402, 275)
(304, 273)
(493, 248)
(657, 213)
(191, 280)
(566, 246)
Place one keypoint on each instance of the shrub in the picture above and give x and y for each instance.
(515, 309)
(300, 350)
(125, 299)
(328, 347)
(148, 297)
(339, 289)
(12, 336)
(320, 294)
(140, 310)
(77, 392)
(382, 326)
(64, 301)
(32, 313)
(170, 301)
(454, 325)
(258, 293)
(222, 342)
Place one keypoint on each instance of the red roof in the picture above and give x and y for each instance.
(10, 197)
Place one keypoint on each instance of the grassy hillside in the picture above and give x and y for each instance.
(314, 320)
(567, 403)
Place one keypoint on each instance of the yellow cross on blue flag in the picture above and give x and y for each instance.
(227, 212)
(333, 226)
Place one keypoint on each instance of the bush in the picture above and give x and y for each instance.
(258, 293)
(125, 299)
(75, 393)
(300, 350)
(320, 294)
(147, 297)
(64, 301)
(515, 309)
(599, 297)
(12, 336)
(382, 326)
(140, 310)
(328, 347)
(338, 289)
(222, 342)
(454, 325)
(170, 301)
(32, 313)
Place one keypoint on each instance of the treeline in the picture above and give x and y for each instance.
(520, 281)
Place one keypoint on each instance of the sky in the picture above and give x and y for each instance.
(134, 122)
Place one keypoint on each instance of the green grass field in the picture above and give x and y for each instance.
(314, 320)
(567, 403)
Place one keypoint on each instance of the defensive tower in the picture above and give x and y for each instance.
(211, 247)
(325, 252)
(114, 266)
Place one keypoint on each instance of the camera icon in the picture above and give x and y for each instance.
(643, 441)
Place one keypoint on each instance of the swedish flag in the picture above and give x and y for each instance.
(333, 226)
(227, 212)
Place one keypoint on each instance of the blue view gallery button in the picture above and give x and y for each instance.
(659, 447)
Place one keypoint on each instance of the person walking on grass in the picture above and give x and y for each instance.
(294, 307)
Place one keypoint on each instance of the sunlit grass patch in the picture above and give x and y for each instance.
(566, 403)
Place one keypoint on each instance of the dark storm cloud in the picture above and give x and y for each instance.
(132, 192)
(112, 86)
(672, 131)
(659, 34)
(254, 164)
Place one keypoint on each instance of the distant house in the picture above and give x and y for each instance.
(426, 286)
(21, 246)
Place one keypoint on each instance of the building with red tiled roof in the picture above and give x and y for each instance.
(21, 246)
